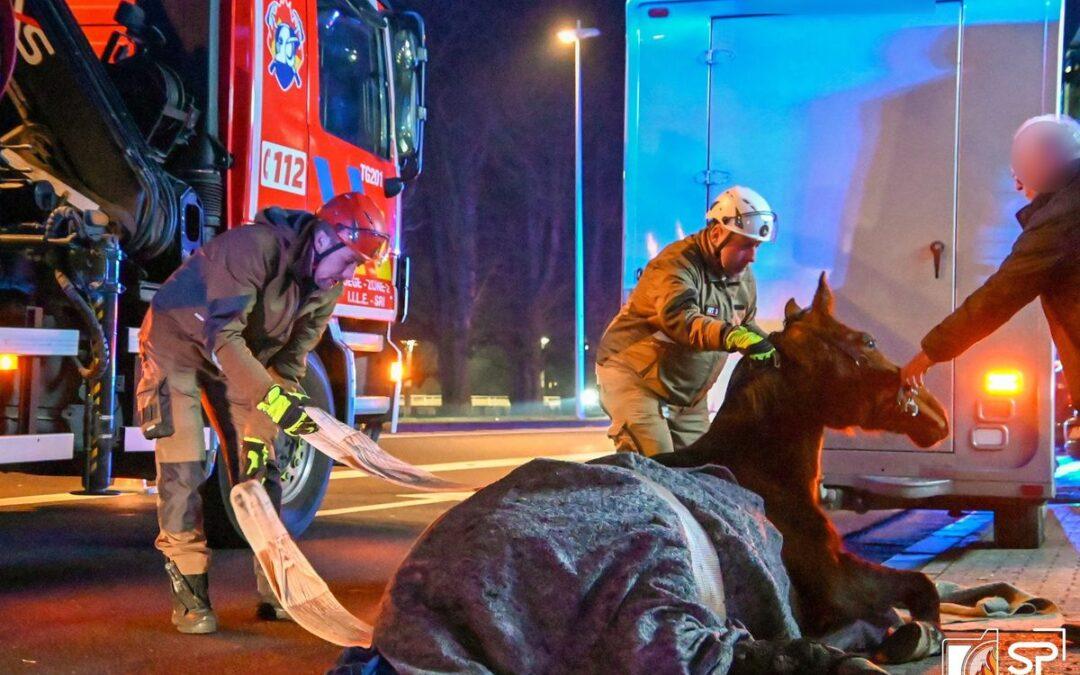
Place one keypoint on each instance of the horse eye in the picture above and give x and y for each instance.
(869, 342)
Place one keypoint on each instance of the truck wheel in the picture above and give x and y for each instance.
(1019, 525)
(305, 476)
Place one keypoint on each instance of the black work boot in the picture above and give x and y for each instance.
(192, 613)
(269, 608)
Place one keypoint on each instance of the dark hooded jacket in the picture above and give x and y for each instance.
(247, 301)
(1044, 263)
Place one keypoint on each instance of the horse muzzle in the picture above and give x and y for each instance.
(927, 422)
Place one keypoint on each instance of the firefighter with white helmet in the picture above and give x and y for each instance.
(232, 328)
(743, 211)
(694, 303)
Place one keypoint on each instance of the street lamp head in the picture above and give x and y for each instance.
(572, 35)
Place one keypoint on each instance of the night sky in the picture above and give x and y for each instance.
(490, 221)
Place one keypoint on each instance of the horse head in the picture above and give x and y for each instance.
(852, 383)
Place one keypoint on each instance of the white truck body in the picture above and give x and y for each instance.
(874, 130)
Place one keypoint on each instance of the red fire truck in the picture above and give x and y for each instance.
(131, 134)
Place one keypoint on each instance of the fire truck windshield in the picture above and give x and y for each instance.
(353, 103)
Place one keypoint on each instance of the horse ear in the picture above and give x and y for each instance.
(823, 298)
(791, 310)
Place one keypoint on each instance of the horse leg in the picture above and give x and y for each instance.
(811, 554)
(837, 588)
(892, 588)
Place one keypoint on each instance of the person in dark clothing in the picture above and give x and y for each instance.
(231, 329)
(1044, 262)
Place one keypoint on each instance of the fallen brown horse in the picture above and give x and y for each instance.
(770, 432)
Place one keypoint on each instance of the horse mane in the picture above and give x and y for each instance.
(750, 391)
(755, 389)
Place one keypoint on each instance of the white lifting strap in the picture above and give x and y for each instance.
(704, 562)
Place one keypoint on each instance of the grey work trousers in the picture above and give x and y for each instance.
(181, 458)
(638, 420)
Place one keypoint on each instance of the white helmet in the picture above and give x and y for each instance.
(743, 211)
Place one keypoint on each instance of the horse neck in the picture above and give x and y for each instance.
(769, 425)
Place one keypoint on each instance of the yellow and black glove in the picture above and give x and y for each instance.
(748, 343)
(254, 456)
(286, 409)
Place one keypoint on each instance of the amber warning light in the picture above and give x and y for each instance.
(396, 371)
(9, 362)
(1004, 382)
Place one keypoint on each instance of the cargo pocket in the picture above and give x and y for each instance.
(154, 403)
(623, 438)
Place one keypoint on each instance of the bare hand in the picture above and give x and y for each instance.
(912, 373)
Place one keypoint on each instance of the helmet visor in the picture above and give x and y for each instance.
(757, 225)
(371, 245)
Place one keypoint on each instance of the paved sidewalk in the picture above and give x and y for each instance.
(1052, 572)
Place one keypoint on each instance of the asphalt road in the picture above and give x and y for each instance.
(82, 589)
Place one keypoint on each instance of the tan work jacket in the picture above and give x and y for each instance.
(671, 330)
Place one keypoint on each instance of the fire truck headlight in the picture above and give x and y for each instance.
(1003, 382)
(9, 362)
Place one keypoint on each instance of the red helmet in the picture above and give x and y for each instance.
(359, 224)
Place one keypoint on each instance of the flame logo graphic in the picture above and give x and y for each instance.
(982, 659)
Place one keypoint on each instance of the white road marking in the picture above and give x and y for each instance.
(476, 464)
(423, 499)
(412, 500)
(47, 499)
(495, 432)
(417, 499)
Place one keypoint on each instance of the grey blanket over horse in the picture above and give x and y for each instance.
(584, 568)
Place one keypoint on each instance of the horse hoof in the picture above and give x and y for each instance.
(910, 642)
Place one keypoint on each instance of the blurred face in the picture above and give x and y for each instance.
(1042, 156)
(336, 268)
(737, 252)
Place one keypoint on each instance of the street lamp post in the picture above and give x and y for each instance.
(575, 36)
(543, 366)
(410, 345)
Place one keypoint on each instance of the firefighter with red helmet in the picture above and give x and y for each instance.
(231, 330)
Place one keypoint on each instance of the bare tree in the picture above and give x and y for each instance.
(494, 210)
(535, 162)
(445, 208)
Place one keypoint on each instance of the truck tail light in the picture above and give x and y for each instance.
(658, 12)
(396, 371)
(1003, 382)
(9, 362)
(1031, 491)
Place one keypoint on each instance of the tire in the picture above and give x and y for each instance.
(1019, 525)
(305, 478)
